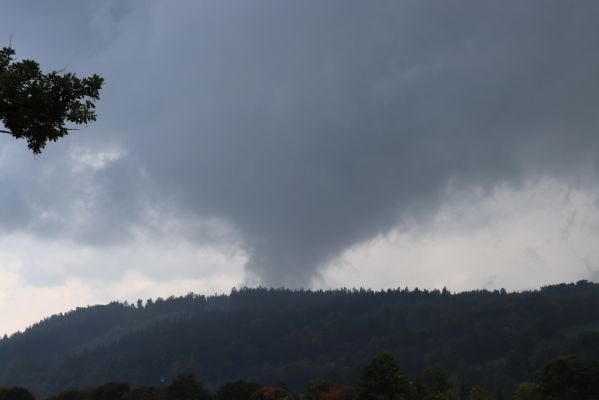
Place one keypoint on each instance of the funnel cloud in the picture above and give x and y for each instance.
(304, 128)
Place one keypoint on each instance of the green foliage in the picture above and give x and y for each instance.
(143, 393)
(434, 384)
(563, 378)
(70, 394)
(294, 337)
(270, 393)
(16, 393)
(527, 391)
(436, 379)
(477, 392)
(111, 391)
(35, 106)
(382, 380)
(321, 389)
(238, 390)
(448, 394)
(569, 377)
(186, 387)
(318, 389)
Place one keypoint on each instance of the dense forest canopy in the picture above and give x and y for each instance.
(563, 378)
(288, 338)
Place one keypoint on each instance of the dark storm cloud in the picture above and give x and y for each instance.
(312, 126)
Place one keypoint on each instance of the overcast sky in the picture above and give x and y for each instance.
(309, 143)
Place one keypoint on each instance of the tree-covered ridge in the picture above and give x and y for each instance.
(274, 336)
(563, 378)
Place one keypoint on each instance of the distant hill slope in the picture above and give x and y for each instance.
(290, 337)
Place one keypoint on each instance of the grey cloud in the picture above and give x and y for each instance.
(532, 254)
(312, 126)
(592, 270)
(59, 198)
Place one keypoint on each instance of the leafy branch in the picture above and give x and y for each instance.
(36, 106)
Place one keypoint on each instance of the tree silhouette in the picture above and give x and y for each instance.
(35, 106)
(382, 380)
(16, 393)
(186, 387)
(569, 377)
(238, 390)
(477, 392)
(528, 391)
(318, 389)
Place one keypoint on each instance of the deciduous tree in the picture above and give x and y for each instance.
(37, 106)
(382, 380)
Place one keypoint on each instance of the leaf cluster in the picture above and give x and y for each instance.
(36, 106)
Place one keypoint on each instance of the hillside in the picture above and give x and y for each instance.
(289, 337)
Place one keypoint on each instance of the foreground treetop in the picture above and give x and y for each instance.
(36, 106)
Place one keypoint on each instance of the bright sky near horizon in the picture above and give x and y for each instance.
(304, 144)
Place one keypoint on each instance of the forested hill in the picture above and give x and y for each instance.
(287, 337)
